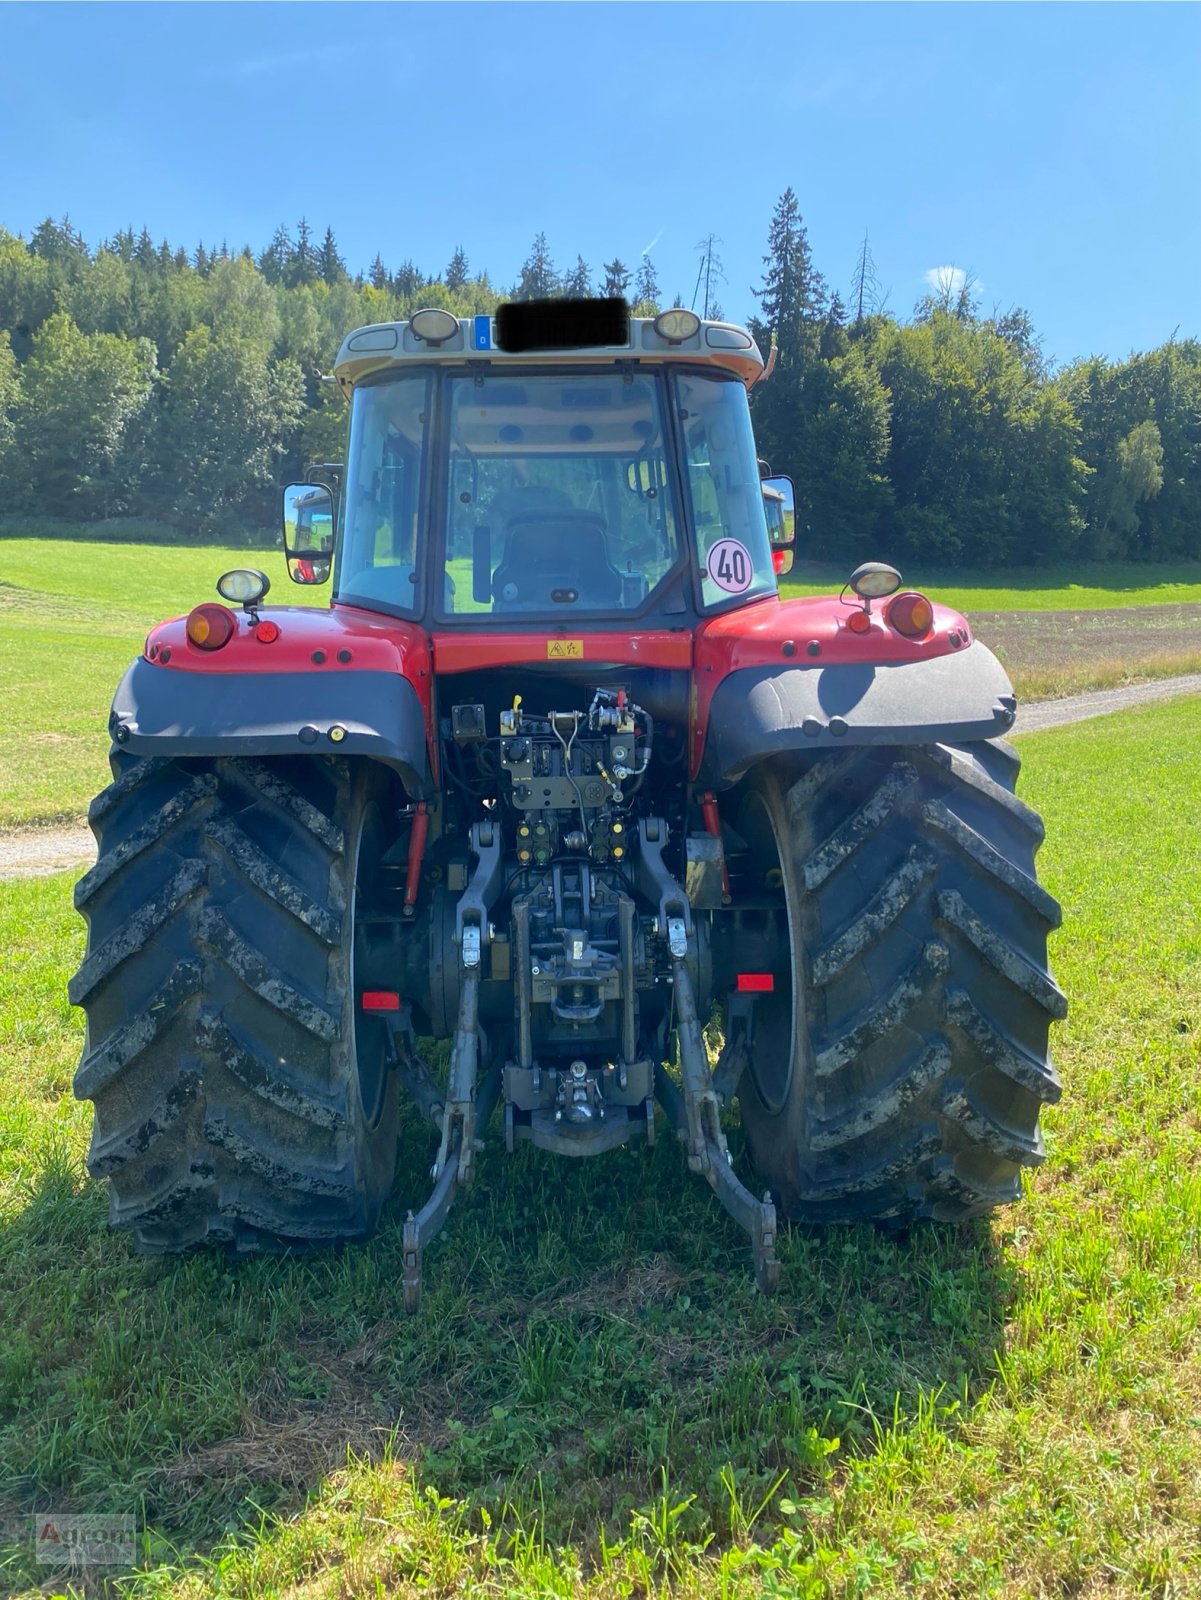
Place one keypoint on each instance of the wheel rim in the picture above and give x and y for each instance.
(773, 1054)
(369, 1032)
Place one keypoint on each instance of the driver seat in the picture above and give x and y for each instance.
(556, 549)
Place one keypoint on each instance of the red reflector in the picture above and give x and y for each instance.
(755, 983)
(859, 622)
(380, 1000)
(778, 558)
(267, 632)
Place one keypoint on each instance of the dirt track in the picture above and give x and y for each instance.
(1031, 640)
(37, 852)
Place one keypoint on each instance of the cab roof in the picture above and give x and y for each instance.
(383, 345)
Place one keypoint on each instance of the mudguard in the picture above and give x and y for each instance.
(161, 713)
(769, 710)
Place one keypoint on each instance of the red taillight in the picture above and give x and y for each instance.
(210, 626)
(911, 614)
(267, 632)
(380, 1000)
(755, 983)
(859, 622)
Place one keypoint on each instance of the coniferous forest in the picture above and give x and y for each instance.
(149, 382)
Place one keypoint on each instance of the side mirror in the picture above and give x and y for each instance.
(308, 518)
(779, 506)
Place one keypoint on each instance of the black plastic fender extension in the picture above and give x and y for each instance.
(158, 711)
(765, 711)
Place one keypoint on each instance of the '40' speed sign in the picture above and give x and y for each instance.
(730, 566)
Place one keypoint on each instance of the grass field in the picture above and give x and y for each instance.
(1093, 586)
(72, 617)
(73, 614)
(594, 1400)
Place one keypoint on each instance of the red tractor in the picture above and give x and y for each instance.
(560, 778)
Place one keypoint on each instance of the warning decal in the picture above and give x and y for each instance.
(730, 566)
(564, 649)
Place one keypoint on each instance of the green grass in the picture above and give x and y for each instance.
(594, 1400)
(72, 618)
(1087, 586)
(131, 530)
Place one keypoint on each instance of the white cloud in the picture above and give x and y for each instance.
(946, 280)
(951, 281)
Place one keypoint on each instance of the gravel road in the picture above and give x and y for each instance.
(1077, 707)
(37, 852)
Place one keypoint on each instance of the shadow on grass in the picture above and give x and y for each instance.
(584, 1326)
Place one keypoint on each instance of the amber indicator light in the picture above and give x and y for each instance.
(911, 614)
(210, 626)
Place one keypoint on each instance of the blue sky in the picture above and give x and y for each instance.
(1052, 150)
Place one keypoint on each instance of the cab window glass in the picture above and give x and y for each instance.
(722, 475)
(558, 496)
(379, 553)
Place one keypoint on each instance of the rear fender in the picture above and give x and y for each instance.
(782, 692)
(157, 713)
(330, 684)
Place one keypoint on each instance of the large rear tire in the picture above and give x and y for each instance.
(239, 1097)
(900, 1065)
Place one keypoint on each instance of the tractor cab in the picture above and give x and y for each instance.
(518, 470)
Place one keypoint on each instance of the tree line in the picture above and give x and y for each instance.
(143, 381)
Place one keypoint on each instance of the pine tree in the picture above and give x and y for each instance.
(646, 287)
(201, 260)
(793, 296)
(408, 278)
(273, 263)
(458, 272)
(539, 280)
(617, 279)
(57, 241)
(304, 265)
(378, 275)
(833, 335)
(577, 284)
(330, 265)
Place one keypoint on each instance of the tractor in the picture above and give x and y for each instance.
(560, 779)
